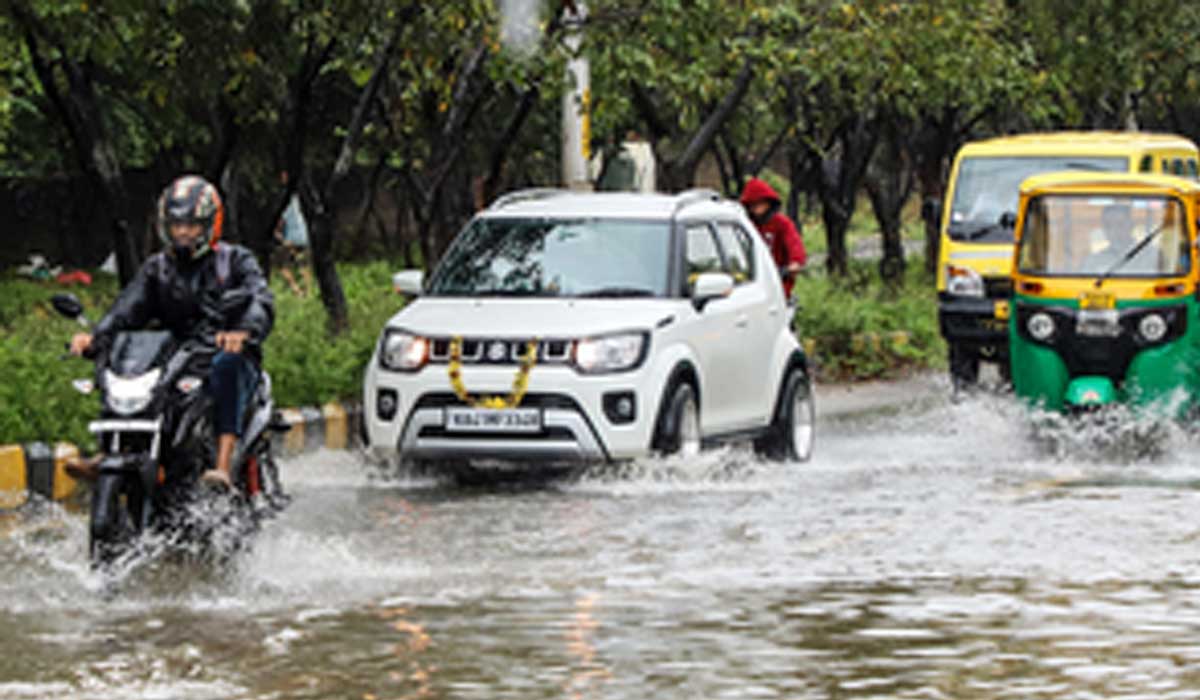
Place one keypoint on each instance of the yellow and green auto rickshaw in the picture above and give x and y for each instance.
(1104, 306)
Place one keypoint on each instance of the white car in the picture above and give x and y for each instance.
(565, 328)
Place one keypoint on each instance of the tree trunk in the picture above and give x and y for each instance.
(889, 183)
(839, 180)
(80, 113)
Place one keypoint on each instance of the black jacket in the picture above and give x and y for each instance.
(222, 291)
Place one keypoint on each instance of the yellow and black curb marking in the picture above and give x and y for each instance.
(39, 470)
(35, 469)
(334, 426)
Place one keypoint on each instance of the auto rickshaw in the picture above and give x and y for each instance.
(1104, 305)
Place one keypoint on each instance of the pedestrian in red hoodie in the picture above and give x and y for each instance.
(762, 203)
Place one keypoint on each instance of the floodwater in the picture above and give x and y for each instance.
(930, 551)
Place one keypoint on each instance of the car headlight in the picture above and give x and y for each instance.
(963, 282)
(126, 396)
(402, 351)
(1040, 326)
(1153, 328)
(610, 353)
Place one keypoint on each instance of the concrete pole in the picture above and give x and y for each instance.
(576, 112)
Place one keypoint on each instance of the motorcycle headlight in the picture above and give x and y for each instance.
(963, 282)
(1040, 326)
(1153, 328)
(402, 351)
(129, 395)
(610, 353)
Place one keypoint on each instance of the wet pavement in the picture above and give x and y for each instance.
(930, 550)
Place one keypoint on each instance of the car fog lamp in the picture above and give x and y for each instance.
(386, 404)
(1153, 327)
(1040, 326)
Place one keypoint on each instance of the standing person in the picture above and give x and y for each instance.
(762, 203)
(291, 244)
(182, 288)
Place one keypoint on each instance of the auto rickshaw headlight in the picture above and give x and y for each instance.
(963, 281)
(1040, 326)
(1153, 328)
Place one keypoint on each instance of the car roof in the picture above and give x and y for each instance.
(1076, 181)
(1078, 143)
(616, 205)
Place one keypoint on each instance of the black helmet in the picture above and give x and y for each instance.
(194, 200)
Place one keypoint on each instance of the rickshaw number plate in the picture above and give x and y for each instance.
(1097, 300)
(1101, 323)
(1002, 310)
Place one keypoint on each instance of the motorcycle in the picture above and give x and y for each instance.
(156, 438)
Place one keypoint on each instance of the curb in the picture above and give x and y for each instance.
(37, 469)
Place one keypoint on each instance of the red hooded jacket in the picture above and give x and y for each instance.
(778, 231)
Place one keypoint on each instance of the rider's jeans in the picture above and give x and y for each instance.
(232, 381)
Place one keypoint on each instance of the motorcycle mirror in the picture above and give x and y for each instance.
(68, 305)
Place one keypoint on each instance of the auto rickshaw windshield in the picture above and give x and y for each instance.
(1088, 236)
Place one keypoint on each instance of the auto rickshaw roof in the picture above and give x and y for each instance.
(1096, 143)
(1075, 182)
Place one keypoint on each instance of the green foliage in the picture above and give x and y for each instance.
(37, 401)
(307, 367)
(855, 322)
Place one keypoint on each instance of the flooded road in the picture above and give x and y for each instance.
(929, 551)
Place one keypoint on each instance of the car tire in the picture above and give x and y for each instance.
(678, 431)
(792, 434)
(964, 368)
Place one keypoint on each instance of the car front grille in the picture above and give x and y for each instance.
(500, 351)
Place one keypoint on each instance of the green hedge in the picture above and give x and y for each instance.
(851, 322)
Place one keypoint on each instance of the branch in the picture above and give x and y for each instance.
(704, 136)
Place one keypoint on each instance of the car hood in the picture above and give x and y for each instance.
(543, 318)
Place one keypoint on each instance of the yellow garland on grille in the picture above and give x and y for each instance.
(519, 387)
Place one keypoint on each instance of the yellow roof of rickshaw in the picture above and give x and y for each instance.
(1075, 181)
(1082, 143)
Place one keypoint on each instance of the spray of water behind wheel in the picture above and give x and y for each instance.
(1114, 433)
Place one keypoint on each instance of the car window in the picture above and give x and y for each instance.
(703, 255)
(1166, 167)
(1147, 164)
(735, 242)
(1191, 168)
(1177, 167)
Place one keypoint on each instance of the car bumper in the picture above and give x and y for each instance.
(973, 321)
(574, 425)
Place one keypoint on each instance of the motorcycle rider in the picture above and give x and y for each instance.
(762, 204)
(182, 288)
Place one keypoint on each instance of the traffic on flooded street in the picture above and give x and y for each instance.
(930, 549)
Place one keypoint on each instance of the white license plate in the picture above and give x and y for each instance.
(492, 420)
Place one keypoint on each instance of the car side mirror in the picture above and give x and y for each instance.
(409, 282)
(710, 286)
(1008, 220)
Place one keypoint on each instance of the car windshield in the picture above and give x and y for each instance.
(1089, 236)
(987, 189)
(546, 257)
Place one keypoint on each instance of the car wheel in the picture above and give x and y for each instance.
(964, 368)
(793, 431)
(678, 430)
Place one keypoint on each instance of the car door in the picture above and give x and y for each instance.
(713, 334)
(756, 324)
